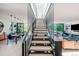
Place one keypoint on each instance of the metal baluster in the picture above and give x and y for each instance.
(23, 52)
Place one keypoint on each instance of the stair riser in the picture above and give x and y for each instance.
(40, 35)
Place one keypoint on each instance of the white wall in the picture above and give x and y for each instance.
(18, 10)
(30, 15)
(66, 13)
(50, 14)
(40, 9)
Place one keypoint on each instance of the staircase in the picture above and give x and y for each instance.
(40, 44)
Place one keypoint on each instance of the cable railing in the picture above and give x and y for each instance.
(27, 39)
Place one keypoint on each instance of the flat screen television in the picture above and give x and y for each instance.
(75, 27)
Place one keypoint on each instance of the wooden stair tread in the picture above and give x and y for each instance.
(41, 26)
(40, 54)
(38, 29)
(40, 48)
(40, 34)
(41, 42)
(37, 37)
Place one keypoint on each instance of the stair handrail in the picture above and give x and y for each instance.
(29, 29)
(27, 38)
(52, 38)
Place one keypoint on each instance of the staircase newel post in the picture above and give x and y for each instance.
(58, 48)
(23, 49)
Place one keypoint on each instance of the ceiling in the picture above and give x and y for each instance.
(18, 10)
(40, 9)
(63, 12)
(66, 12)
